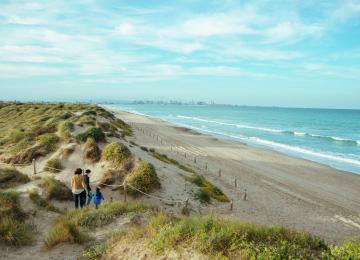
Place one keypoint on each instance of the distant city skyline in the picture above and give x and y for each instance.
(258, 53)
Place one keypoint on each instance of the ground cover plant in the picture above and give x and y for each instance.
(116, 153)
(10, 177)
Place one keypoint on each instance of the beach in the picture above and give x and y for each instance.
(280, 190)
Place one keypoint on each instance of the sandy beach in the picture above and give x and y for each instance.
(280, 190)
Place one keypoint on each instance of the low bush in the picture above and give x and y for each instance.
(66, 152)
(10, 206)
(207, 187)
(89, 113)
(11, 177)
(112, 176)
(86, 120)
(164, 158)
(143, 178)
(116, 153)
(92, 151)
(53, 165)
(65, 128)
(55, 189)
(69, 227)
(144, 148)
(95, 133)
(41, 202)
(48, 142)
(28, 155)
(202, 196)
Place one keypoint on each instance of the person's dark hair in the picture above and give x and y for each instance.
(88, 171)
(97, 189)
(78, 171)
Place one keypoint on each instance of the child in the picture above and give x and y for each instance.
(98, 197)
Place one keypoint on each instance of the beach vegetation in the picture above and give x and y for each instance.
(65, 128)
(92, 132)
(55, 189)
(116, 153)
(144, 148)
(70, 227)
(202, 196)
(10, 177)
(207, 187)
(92, 151)
(143, 177)
(41, 202)
(14, 231)
(48, 142)
(112, 176)
(126, 130)
(53, 165)
(86, 120)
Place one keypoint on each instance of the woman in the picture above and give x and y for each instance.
(78, 188)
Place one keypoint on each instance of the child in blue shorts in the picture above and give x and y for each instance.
(98, 197)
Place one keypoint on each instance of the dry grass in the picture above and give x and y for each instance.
(41, 202)
(92, 151)
(53, 165)
(55, 189)
(11, 177)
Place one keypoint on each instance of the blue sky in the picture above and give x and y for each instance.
(282, 53)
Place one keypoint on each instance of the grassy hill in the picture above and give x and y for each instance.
(35, 210)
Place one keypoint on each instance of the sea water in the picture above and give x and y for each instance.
(328, 136)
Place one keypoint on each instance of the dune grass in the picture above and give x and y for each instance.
(143, 177)
(92, 132)
(48, 142)
(13, 229)
(71, 226)
(52, 165)
(207, 189)
(219, 238)
(56, 189)
(92, 151)
(126, 130)
(41, 202)
(11, 177)
(116, 153)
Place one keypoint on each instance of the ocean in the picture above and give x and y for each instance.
(328, 136)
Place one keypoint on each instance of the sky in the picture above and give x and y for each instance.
(268, 53)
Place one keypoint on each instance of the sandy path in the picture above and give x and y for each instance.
(281, 190)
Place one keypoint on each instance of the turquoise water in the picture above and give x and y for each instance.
(329, 136)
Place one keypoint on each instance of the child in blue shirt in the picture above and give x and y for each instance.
(98, 197)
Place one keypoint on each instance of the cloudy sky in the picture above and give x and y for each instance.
(282, 53)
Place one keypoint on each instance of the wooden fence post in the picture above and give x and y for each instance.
(194, 159)
(219, 172)
(206, 166)
(34, 165)
(231, 204)
(235, 183)
(245, 196)
(125, 190)
(185, 155)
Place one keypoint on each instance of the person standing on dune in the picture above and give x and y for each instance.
(87, 186)
(78, 188)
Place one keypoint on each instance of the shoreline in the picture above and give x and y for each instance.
(281, 189)
(229, 139)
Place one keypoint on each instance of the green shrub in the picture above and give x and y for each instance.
(143, 177)
(349, 250)
(94, 252)
(89, 113)
(202, 196)
(53, 165)
(41, 203)
(95, 133)
(11, 177)
(48, 142)
(116, 153)
(208, 187)
(55, 189)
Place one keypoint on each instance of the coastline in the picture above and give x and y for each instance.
(282, 190)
